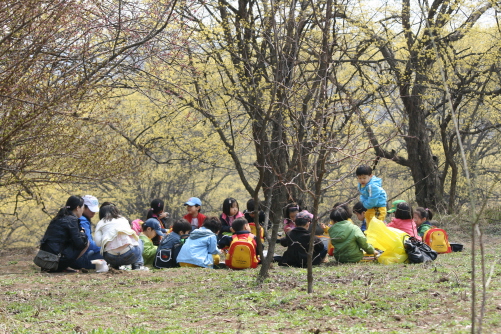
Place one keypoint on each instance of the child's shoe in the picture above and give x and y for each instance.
(101, 266)
(139, 267)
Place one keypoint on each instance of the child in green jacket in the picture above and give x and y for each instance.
(422, 218)
(151, 228)
(347, 238)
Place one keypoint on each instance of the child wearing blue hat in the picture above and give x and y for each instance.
(151, 229)
(193, 216)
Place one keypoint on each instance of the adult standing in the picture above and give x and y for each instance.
(65, 236)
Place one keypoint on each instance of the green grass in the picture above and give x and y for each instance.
(356, 298)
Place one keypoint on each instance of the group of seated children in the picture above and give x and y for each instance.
(347, 240)
(137, 244)
(205, 237)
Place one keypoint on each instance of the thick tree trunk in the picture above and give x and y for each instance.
(421, 161)
(424, 170)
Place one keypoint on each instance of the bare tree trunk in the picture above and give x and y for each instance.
(422, 163)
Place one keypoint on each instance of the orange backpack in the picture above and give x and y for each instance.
(254, 230)
(330, 249)
(438, 240)
(242, 253)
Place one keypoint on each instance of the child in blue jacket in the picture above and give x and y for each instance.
(200, 249)
(180, 230)
(372, 194)
(91, 206)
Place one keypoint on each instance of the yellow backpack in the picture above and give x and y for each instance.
(242, 253)
(438, 240)
(254, 230)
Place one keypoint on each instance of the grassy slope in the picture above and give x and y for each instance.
(356, 298)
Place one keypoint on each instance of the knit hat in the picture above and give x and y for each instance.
(305, 215)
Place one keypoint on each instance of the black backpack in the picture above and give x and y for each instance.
(418, 251)
(166, 258)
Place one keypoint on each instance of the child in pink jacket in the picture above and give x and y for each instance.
(403, 220)
(290, 212)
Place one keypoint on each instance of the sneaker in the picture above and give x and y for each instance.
(139, 267)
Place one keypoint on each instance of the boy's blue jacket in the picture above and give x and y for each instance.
(85, 224)
(373, 194)
(198, 248)
(169, 241)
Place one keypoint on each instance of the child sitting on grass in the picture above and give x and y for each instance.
(241, 255)
(290, 212)
(347, 238)
(180, 229)
(422, 218)
(200, 249)
(193, 216)
(231, 211)
(403, 220)
(151, 228)
(359, 211)
(249, 214)
(240, 227)
(297, 242)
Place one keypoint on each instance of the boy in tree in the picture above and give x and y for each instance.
(372, 195)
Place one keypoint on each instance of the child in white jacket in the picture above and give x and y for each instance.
(119, 244)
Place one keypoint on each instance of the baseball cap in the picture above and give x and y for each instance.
(193, 201)
(155, 225)
(394, 205)
(91, 202)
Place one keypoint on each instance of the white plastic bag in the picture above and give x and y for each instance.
(101, 266)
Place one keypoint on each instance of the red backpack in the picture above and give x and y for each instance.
(242, 253)
(438, 240)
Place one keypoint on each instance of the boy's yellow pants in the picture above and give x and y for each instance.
(216, 259)
(379, 213)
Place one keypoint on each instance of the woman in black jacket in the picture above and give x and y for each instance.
(65, 236)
